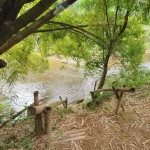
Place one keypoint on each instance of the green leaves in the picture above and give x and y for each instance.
(23, 58)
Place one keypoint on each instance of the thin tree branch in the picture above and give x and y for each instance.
(56, 29)
(106, 11)
(83, 34)
(73, 28)
(81, 29)
(116, 16)
(125, 23)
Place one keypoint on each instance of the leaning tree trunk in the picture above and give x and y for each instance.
(106, 60)
(104, 73)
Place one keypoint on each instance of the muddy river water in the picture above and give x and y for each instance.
(67, 81)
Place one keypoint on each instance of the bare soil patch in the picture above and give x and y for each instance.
(91, 130)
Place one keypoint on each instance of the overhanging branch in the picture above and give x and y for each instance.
(33, 27)
(81, 29)
(57, 29)
(24, 20)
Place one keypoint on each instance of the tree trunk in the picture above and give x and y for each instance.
(106, 60)
(104, 73)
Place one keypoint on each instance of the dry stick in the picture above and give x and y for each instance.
(66, 103)
(117, 95)
(95, 84)
(17, 114)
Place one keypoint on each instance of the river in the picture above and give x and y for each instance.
(67, 81)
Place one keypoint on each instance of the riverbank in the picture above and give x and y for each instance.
(78, 128)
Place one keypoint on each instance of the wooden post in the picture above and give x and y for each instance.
(38, 118)
(119, 102)
(92, 95)
(118, 97)
(48, 121)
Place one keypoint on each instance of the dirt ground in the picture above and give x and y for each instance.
(94, 130)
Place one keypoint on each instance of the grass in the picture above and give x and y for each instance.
(64, 111)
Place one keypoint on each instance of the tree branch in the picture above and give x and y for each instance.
(29, 30)
(56, 29)
(81, 29)
(106, 11)
(125, 23)
(24, 20)
(116, 16)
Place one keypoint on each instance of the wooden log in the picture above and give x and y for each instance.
(132, 90)
(48, 121)
(34, 110)
(17, 114)
(38, 118)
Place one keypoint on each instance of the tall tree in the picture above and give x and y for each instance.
(109, 24)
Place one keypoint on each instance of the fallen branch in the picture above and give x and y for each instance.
(17, 114)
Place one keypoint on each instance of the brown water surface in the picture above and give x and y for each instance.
(65, 80)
